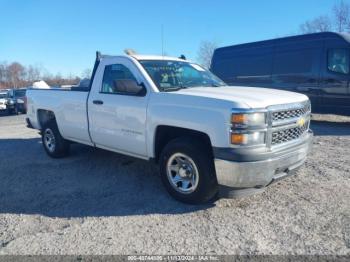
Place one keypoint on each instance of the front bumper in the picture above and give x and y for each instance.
(10, 106)
(20, 107)
(258, 174)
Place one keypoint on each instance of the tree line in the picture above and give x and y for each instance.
(338, 20)
(16, 75)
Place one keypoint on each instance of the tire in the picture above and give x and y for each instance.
(54, 144)
(195, 181)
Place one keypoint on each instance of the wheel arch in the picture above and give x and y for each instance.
(164, 134)
(45, 116)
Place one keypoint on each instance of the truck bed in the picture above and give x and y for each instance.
(70, 110)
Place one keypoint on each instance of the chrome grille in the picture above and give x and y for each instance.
(288, 122)
(284, 115)
(286, 135)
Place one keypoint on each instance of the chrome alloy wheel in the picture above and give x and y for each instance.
(182, 173)
(49, 140)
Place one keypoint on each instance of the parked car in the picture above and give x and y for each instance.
(200, 131)
(83, 85)
(17, 102)
(316, 65)
(3, 101)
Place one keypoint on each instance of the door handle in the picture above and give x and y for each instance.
(97, 102)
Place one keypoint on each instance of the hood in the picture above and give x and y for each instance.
(252, 97)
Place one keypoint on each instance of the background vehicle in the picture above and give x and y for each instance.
(3, 100)
(17, 102)
(316, 65)
(202, 132)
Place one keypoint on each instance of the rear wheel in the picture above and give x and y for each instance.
(54, 144)
(187, 171)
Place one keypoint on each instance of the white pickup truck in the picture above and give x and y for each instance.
(204, 135)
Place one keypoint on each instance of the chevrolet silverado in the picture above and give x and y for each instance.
(206, 136)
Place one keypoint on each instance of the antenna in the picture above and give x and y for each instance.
(162, 39)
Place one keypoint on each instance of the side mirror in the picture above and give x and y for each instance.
(129, 87)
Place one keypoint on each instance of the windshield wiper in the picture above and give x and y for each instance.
(176, 88)
(215, 85)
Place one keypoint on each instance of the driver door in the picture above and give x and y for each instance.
(118, 119)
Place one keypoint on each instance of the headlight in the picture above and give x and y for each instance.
(248, 138)
(248, 129)
(248, 119)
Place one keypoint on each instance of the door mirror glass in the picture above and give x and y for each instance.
(129, 86)
(338, 60)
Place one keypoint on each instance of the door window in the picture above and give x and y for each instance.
(338, 60)
(113, 73)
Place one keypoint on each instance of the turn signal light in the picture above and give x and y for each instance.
(237, 139)
(238, 119)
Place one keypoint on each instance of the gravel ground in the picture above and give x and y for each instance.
(97, 202)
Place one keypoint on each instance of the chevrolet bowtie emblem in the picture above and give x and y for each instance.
(301, 121)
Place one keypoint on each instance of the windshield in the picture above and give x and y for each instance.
(20, 93)
(175, 75)
(3, 95)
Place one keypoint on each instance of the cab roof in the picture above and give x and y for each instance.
(138, 57)
(156, 57)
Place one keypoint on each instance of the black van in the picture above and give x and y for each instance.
(314, 64)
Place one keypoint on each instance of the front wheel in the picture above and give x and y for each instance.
(187, 171)
(54, 144)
